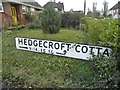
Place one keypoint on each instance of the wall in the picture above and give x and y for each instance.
(20, 14)
(6, 15)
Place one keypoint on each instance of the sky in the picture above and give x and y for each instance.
(77, 5)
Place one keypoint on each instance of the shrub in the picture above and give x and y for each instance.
(83, 24)
(35, 24)
(105, 32)
(101, 31)
(50, 21)
(34, 21)
(111, 34)
(71, 19)
(29, 17)
(105, 73)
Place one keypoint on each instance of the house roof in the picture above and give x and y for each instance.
(30, 3)
(116, 6)
(33, 3)
(58, 5)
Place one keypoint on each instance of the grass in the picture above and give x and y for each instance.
(30, 69)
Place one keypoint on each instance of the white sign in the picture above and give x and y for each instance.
(73, 50)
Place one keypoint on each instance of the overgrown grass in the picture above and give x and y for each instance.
(29, 69)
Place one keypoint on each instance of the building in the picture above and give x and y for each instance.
(76, 12)
(57, 6)
(115, 10)
(12, 12)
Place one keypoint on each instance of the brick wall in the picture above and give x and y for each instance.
(6, 17)
(20, 14)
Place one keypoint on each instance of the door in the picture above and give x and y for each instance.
(14, 16)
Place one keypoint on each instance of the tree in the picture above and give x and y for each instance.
(50, 21)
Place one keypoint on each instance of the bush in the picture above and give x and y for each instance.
(105, 73)
(71, 19)
(104, 32)
(36, 24)
(111, 34)
(34, 21)
(50, 21)
(101, 31)
(29, 17)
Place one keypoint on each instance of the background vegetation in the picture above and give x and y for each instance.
(50, 21)
(71, 20)
(29, 69)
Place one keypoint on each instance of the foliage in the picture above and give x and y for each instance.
(28, 69)
(35, 24)
(111, 37)
(30, 17)
(111, 34)
(50, 21)
(104, 32)
(104, 69)
(40, 70)
(83, 23)
(71, 19)
(93, 28)
(101, 31)
(34, 21)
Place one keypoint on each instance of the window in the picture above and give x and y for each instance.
(24, 8)
(32, 9)
(1, 6)
(56, 9)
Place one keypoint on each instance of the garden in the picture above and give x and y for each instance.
(24, 69)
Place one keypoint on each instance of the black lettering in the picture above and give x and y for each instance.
(98, 50)
(35, 43)
(40, 51)
(40, 43)
(25, 41)
(106, 52)
(44, 44)
(50, 45)
(84, 49)
(50, 51)
(43, 50)
(36, 49)
(30, 48)
(20, 41)
(62, 45)
(68, 46)
(91, 49)
(57, 45)
(76, 48)
(30, 42)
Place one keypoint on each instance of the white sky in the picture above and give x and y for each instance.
(79, 4)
